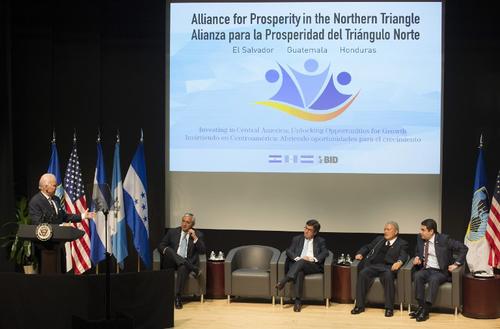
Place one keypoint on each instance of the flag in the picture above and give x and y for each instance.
(55, 170)
(136, 204)
(493, 229)
(76, 203)
(116, 216)
(99, 234)
(479, 249)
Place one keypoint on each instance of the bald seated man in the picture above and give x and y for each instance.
(45, 206)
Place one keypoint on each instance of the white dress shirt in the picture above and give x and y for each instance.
(432, 261)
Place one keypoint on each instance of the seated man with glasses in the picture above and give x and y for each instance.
(306, 255)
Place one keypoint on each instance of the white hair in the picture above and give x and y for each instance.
(394, 224)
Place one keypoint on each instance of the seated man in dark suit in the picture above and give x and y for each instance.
(382, 258)
(45, 206)
(306, 255)
(435, 259)
(180, 248)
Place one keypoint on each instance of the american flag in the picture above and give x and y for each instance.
(493, 229)
(76, 203)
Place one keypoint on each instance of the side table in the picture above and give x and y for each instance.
(481, 297)
(341, 284)
(215, 279)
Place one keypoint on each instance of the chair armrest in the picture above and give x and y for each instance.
(281, 265)
(228, 270)
(273, 266)
(407, 271)
(328, 275)
(400, 285)
(203, 276)
(354, 277)
(281, 270)
(456, 286)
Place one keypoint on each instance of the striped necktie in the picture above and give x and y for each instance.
(426, 253)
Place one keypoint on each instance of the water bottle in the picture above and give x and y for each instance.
(341, 260)
(348, 260)
(212, 255)
(220, 256)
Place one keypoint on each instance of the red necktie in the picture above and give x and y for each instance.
(426, 253)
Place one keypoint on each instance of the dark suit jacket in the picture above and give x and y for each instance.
(446, 247)
(40, 211)
(319, 249)
(172, 238)
(398, 251)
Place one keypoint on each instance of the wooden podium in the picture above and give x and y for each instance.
(51, 248)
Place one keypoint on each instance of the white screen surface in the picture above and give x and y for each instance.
(306, 87)
(245, 152)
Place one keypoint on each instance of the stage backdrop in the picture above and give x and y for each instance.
(280, 112)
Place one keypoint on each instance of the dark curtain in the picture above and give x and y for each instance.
(7, 205)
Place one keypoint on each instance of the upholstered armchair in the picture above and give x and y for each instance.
(449, 294)
(317, 286)
(251, 271)
(375, 294)
(194, 286)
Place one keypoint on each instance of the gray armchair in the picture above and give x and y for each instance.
(194, 286)
(251, 271)
(317, 286)
(375, 294)
(449, 294)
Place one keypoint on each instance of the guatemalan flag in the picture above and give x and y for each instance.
(116, 215)
(136, 204)
(100, 204)
(55, 169)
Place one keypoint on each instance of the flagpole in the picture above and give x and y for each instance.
(138, 256)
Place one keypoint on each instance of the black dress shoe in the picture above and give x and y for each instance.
(297, 306)
(416, 313)
(178, 303)
(424, 315)
(357, 310)
(389, 312)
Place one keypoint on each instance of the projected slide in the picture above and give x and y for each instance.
(305, 87)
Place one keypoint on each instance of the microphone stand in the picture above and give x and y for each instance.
(107, 291)
(107, 298)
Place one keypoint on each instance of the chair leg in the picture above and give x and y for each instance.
(201, 299)
(281, 302)
(456, 311)
(401, 307)
(409, 308)
(229, 299)
(327, 303)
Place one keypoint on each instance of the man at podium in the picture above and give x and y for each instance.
(45, 206)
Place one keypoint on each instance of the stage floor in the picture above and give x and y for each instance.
(218, 314)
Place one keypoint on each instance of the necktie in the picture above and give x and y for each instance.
(387, 243)
(52, 204)
(305, 248)
(183, 246)
(426, 253)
